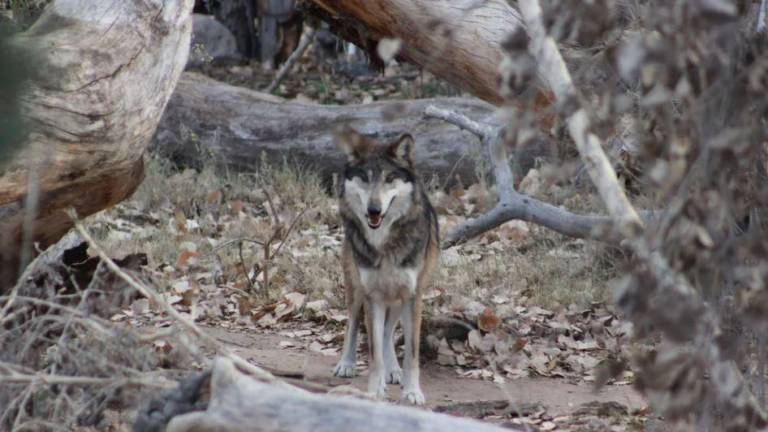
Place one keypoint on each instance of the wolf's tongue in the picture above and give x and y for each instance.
(374, 219)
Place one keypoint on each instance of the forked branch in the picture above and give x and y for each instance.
(512, 205)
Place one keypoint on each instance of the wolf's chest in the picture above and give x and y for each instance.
(389, 282)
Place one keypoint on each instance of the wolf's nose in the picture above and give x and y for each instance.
(374, 210)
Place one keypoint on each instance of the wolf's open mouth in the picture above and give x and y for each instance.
(374, 220)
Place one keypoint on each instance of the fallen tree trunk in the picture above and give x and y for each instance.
(206, 119)
(240, 403)
(106, 71)
(459, 41)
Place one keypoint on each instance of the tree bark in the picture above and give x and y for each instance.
(240, 403)
(457, 40)
(106, 71)
(206, 119)
(238, 16)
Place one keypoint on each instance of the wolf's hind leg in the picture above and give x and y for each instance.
(412, 329)
(393, 373)
(346, 366)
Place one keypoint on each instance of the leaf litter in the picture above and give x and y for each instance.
(213, 270)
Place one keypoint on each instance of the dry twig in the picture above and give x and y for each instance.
(277, 232)
(306, 40)
(9, 375)
(185, 322)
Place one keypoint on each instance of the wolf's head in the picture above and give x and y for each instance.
(379, 180)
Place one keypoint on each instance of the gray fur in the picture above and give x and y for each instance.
(390, 247)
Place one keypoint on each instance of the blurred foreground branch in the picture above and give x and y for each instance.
(9, 375)
(667, 285)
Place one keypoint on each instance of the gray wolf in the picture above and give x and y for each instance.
(390, 250)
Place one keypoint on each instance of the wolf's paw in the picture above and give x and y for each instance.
(413, 396)
(344, 369)
(394, 376)
(381, 393)
(378, 391)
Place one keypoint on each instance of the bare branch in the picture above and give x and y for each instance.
(186, 323)
(481, 130)
(244, 268)
(8, 375)
(306, 39)
(522, 207)
(513, 205)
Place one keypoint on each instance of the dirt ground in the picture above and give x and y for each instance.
(441, 384)
(537, 328)
(534, 306)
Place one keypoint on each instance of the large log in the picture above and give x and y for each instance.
(240, 403)
(236, 125)
(106, 71)
(457, 40)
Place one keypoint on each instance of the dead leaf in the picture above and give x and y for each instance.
(475, 340)
(236, 206)
(531, 184)
(445, 355)
(187, 259)
(180, 221)
(162, 347)
(140, 306)
(488, 321)
(318, 306)
(548, 426)
(214, 197)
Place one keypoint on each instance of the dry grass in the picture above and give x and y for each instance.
(548, 271)
(543, 268)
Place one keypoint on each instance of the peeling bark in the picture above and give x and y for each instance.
(236, 127)
(459, 41)
(106, 71)
(240, 403)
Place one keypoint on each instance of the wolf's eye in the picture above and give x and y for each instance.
(390, 178)
(352, 173)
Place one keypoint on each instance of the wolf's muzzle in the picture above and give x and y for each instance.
(374, 216)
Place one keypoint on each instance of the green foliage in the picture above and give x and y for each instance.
(23, 13)
(14, 71)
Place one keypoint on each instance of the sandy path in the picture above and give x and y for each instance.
(440, 384)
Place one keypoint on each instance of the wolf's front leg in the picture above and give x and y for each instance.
(346, 366)
(376, 384)
(393, 374)
(412, 329)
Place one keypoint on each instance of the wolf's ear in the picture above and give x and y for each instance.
(354, 145)
(402, 148)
